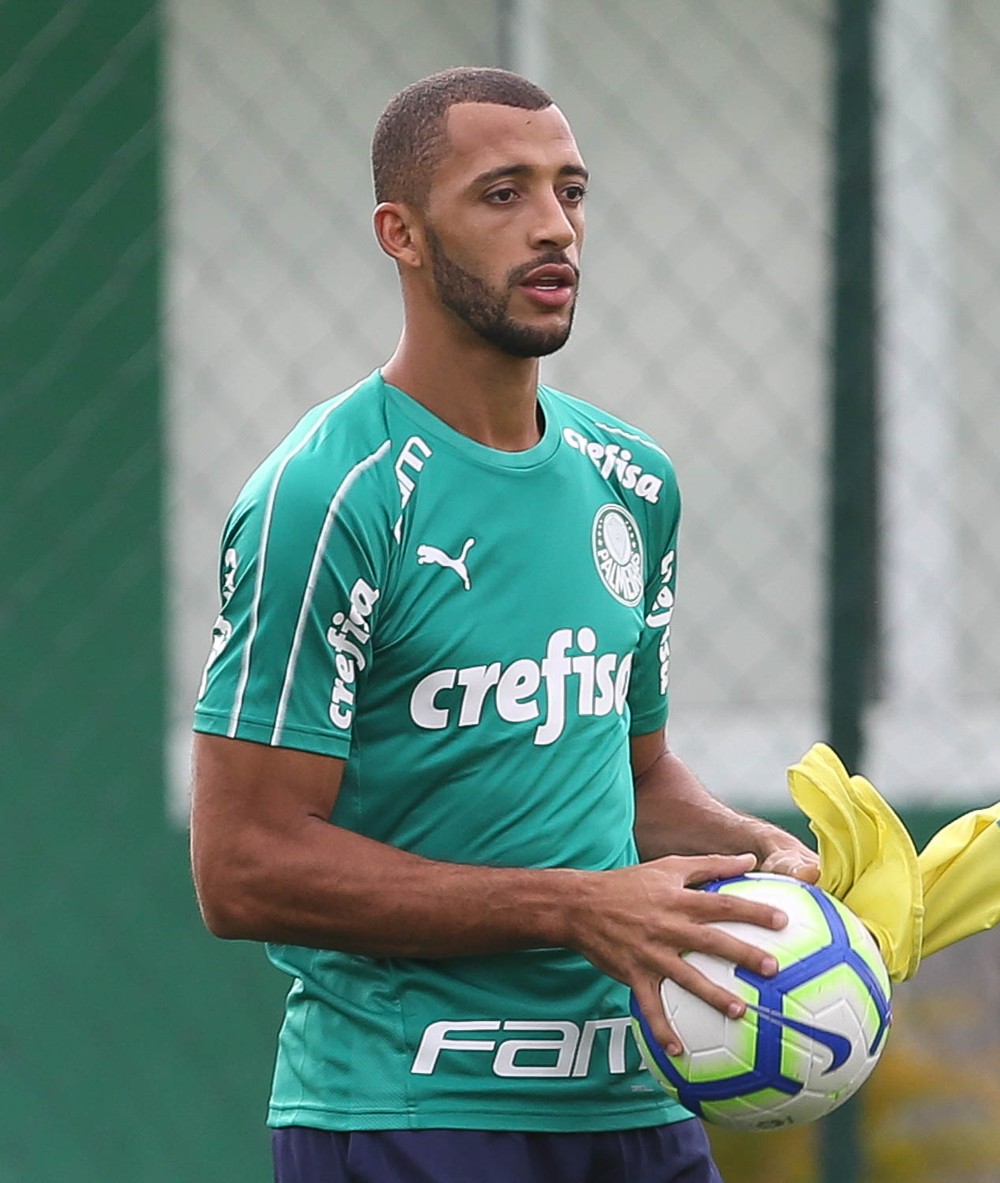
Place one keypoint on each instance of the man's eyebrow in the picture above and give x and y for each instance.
(522, 170)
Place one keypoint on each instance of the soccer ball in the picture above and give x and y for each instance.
(811, 1034)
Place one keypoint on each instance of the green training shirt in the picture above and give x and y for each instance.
(476, 633)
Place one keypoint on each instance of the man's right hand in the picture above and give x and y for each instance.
(636, 923)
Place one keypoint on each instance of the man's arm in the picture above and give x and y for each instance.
(675, 814)
(269, 866)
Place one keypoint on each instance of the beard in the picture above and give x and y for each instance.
(486, 310)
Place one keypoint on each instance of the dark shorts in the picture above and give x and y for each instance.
(677, 1153)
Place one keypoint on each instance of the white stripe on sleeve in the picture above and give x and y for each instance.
(307, 598)
(265, 534)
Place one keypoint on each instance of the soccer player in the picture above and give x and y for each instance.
(431, 768)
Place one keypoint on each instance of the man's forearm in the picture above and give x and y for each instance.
(676, 814)
(330, 888)
(307, 882)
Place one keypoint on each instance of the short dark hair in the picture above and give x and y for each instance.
(409, 139)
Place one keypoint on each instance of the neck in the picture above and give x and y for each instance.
(486, 395)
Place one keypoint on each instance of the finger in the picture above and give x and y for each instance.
(706, 939)
(647, 995)
(710, 906)
(805, 870)
(716, 996)
(803, 866)
(708, 867)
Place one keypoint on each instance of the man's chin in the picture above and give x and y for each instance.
(553, 345)
(519, 340)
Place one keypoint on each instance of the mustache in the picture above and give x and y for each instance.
(518, 274)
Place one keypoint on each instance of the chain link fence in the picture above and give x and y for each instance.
(705, 315)
(702, 314)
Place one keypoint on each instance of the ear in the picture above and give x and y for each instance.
(399, 233)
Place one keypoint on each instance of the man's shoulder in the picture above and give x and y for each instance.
(598, 433)
(335, 445)
(334, 436)
(344, 427)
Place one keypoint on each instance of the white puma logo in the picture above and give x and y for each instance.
(433, 554)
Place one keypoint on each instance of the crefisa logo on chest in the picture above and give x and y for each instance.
(617, 547)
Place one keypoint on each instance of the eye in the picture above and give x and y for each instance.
(574, 194)
(502, 196)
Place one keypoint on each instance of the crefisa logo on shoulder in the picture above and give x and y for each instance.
(617, 547)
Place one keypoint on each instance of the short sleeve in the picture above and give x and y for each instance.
(303, 564)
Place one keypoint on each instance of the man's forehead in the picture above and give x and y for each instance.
(482, 133)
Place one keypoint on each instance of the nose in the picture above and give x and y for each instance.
(552, 226)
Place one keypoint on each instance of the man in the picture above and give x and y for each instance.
(431, 743)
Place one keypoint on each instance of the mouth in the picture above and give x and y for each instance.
(552, 285)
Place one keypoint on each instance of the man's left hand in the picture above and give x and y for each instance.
(788, 856)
